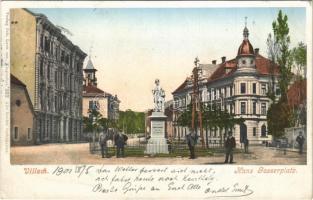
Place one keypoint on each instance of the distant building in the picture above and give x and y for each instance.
(240, 86)
(95, 98)
(22, 115)
(50, 66)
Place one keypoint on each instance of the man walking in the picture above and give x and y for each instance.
(191, 140)
(103, 138)
(230, 144)
(300, 139)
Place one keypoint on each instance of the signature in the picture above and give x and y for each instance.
(235, 190)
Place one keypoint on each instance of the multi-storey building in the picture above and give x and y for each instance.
(50, 65)
(95, 98)
(240, 86)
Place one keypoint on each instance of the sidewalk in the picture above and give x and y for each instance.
(79, 154)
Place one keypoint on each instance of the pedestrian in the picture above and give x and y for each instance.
(246, 145)
(120, 141)
(103, 138)
(191, 140)
(230, 144)
(300, 139)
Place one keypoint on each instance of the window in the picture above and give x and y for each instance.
(29, 133)
(15, 134)
(243, 107)
(62, 56)
(41, 67)
(277, 91)
(243, 61)
(243, 88)
(263, 108)
(231, 90)
(18, 103)
(254, 131)
(254, 108)
(254, 88)
(263, 89)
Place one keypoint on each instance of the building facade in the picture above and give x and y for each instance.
(240, 86)
(95, 98)
(50, 65)
(22, 115)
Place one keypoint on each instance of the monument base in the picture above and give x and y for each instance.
(157, 143)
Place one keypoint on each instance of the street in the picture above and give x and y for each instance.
(79, 154)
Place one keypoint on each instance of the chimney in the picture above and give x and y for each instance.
(214, 62)
(223, 59)
(256, 51)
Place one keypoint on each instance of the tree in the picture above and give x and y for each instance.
(279, 115)
(131, 122)
(283, 55)
(276, 116)
(299, 57)
(213, 117)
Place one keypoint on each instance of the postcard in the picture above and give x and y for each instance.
(156, 100)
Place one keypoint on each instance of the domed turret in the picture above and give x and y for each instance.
(245, 55)
(245, 48)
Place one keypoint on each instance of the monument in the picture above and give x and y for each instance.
(157, 142)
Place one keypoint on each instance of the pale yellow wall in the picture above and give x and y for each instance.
(23, 48)
(103, 106)
(21, 116)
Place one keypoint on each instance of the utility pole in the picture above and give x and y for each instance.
(196, 100)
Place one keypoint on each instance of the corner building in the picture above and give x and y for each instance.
(50, 65)
(240, 86)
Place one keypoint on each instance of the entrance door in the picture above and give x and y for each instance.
(263, 131)
(243, 132)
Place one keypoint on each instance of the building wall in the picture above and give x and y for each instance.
(103, 102)
(22, 117)
(51, 67)
(23, 48)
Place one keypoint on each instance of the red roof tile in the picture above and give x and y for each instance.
(92, 89)
(296, 94)
(263, 65)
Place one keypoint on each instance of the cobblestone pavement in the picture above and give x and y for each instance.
(79, 154)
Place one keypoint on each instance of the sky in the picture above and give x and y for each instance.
(131, 47)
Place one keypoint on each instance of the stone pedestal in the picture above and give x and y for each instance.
(157, 142)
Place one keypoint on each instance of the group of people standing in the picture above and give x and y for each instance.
(119, 139)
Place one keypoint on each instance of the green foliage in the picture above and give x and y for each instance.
(212, 117)
(131, 122)
(299, 57)
(96, 122)
(279, 117)
(283, 55)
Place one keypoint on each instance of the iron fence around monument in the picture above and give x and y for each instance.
(137, 147)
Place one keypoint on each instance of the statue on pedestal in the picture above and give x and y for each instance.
(158, 97)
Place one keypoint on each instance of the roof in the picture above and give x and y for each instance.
(263, 67)
(296, 94)
(16, 81)
(92, 89)
(181, 87)
(90, 65)
(245, 48)
(262, 64)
